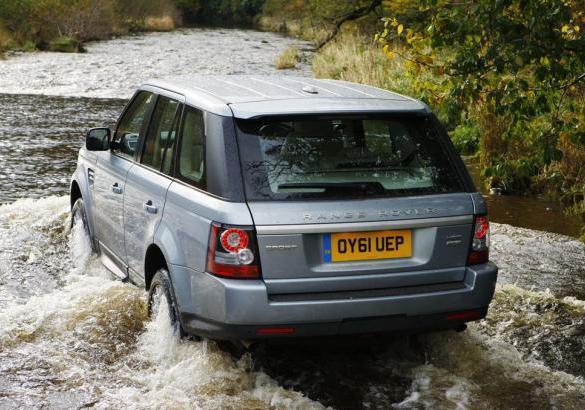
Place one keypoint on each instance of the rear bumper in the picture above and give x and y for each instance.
(232, 309)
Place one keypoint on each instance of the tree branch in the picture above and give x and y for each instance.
(353, 15)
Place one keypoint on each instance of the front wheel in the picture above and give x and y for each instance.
(161, 300)
(79, 221)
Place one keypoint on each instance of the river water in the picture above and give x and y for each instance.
(71, 337)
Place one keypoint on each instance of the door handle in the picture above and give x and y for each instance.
(116, 189)
(150, 208)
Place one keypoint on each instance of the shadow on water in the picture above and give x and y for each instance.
(346, 374)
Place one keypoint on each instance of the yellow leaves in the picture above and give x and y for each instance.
(425, 60)
(400, 29)
(389, 53)
(570, 32)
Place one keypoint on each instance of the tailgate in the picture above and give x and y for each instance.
(327, 246)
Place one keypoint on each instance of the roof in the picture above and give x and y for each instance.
(253, 96)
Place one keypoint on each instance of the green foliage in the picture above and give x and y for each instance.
(511, 175)
(515, 66)
(65, 45)
(466, 137)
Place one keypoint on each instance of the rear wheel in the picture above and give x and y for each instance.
(161, 300)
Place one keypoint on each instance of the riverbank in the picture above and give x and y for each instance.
(65, 26)
(113, 69)
(55, 25)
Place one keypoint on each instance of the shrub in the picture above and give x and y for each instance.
(466, 137)
(164, 23)
(65, 45)
(288, 58)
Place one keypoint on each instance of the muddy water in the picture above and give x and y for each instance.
(72, 337)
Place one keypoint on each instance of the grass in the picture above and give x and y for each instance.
(163, 23)
(354, 57)
(288, 59)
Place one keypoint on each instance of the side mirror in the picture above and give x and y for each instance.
(98, 139)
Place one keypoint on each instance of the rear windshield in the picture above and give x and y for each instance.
(343, 158)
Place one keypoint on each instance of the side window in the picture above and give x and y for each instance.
(128, 131)
(192, 150)
(168, 156)
(160, 132)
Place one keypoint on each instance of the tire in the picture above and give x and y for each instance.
(78, 211)
(161, 286)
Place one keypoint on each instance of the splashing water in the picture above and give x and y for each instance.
(73, 337)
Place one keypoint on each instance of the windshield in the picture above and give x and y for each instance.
(343, 158)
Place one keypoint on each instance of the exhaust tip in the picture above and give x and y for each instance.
(461, 328)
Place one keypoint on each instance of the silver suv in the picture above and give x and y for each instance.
(279, 207)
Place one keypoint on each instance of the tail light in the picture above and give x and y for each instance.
(233, 252)
(480, 243)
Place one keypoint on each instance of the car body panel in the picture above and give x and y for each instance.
(144, 204)
(109, 188)
(185, 226)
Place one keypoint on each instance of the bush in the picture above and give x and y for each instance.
(288, 58)
(164, 23)
(65, 45)
(466, 137)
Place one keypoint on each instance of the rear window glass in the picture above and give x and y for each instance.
(343, 158)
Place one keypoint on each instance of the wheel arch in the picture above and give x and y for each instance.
(154, 260)
(75, 193)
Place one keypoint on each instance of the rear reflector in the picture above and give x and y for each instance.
(478, 257)
(468, 315)
(276, 331)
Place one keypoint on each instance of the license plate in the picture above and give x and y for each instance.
(360, 246)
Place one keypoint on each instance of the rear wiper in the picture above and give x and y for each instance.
(372, 186)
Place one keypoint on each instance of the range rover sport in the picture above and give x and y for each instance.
(282, 207)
